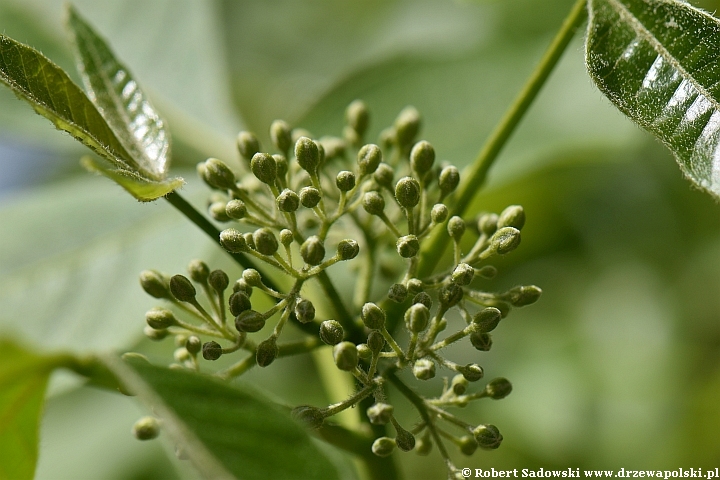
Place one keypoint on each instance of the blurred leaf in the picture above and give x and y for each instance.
(226, 431)
(657, 61)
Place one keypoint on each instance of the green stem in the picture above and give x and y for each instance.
(476, 173)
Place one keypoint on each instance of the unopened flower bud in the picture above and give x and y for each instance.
(369, 158)
(331, 332)
(211, 350)
(373, 316)
(450, 295)
(252, 277)
(305, 311)
(239, 302)
(407, 192)
(498, 388)
(308, 415)
(233, 241)
(193, 344)
(398, 293)
(383, 446)
(422, 157)
(335, 147)
(160, 318)
(287, 201)
(348, 249)
(404, 440)
(198, 271)
(345, 356)
(487, 436)
(456, 228)
(487, 319)
(449, 179)
(307, 154)
(423, 446)
(414, 286)
(357, 117)
(263, 166)
(155, 284)
(423, 298)
(309, 197)
(439, 213)
(373, 203)
(468, 444)
(146, 428)
(218, 212)
(265, 241)
(512, 216)
(249, 240)
(249, 321)
(312, 250)
(459, 384)
(424, 369)
(380, 413)
(236, 209)
(345, 181)
(267, 351)
(487, 223)
(375, 342)
(281, 135)
(241, 285)
(407, 246)
(248, 144)
(505, 240)
(417, 318)
(522, 296)
(384, 175)
(218, 280)
(181, 355)
(281, 165)
(219, 175)
(182, 288)
(407, 126)
(463, 274)
(472, 372)
(488, 271)
(481, 341)
(155, 335)
(364, 351)
(286, 237)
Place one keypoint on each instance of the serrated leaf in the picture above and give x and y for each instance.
(226, 431)
(112, 88)
(656, 60)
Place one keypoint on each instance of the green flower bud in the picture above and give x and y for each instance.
(135, 357)
(239, 302)
(321, 153)
(334, 147)
(417, 318)
(181, 355)
(248, 144)
(407, 192)
(267, 351)
(305, 311)
(384, 175)
(263, 166)
(449, 179)
(422, 157)
(364, 351)
(249, 240)
(467, 445)
(375, 342)
(408, 246)
(505, 240)
(155, 335)
(219, 175)
(423, 298)
(498, 388)
(512, 216)
(160, 318)
(146, 428)
(345, 181)
(450, 295)
(380, 413)
(348, 249)
(281, 135)
(472, 372)
(424, 369)
(286, 237)
(241, 285)
(180, 340)
(311, 417)
(331, 332)
(281, 165)
(345, 356)
(182, 288)
(487, 223)
(383, 446)
(398, 293)
(487, 436)
(373, 203)
(404, 440)
(265, 241)
(193, 344)
(351, 136)
(233, 241)
(307, 154)
(463, 274)
(309, 197)
(236, 209)
(211, 350)
(522, 296)
(439, 213)
(312, 250)
(481, 341)
(155, 284)
(287, 201)
(218, 280)
(249, 321)
(414, 286)
(357, 117)
(487, 319)
(456, 228)
(218, 212)
(423, 446)
(198, 271)
(488, 271)
(373, 316)
(369, 158)
(459, 384)
(407, 126)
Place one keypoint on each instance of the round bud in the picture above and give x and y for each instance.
(331, 332)
(383, 446)
(265, 241)
(249, 321)
(423, 446)
(498, 388)
(252, 277)
(505, 240)
(407, 192)
(398, 293)
(193, 344)
(233, 241)
(357, 117)
(281, 135)
(241, 285)
(373, 203)
(487, 319)
(312, 250)
(512, 216)
(407, 126)
(198, 271)
(160, 318)
(423, 298)
(487, 436)
(488, 271)
(218, 212)
(456, 228)
(180, 340)
(153, 334)
(384, 175)
(522, 296)
(182, 288)
(449, 179)
(334, 147)
(487, 223)
(417, 318)
(463, 274)
(364, 351)
(414, 286)
(218, 280)
(248, 144)
(211, 350)
(345, 356)
(472, 372)
(239, 302)
(424, 369)
(305, 311)
(345, 181)
(348, 249)
(422, 157)
(155, 284)
(375, 342)
(373, 316)
(467, 444)
(309, 197)
(380, 413)
(281, 165)
(286, 237)
(408, 246)
(351, 136)
(219, 175)
(310, 416)
(481, 341)
(369, 158)
(450, 295)
(267, 351)
(307, 154)
(146, 428)
(439, 213)
(287, 201)
(404, 440)
(249, 240)
(181, 355)
(263, 166)
(459, 384)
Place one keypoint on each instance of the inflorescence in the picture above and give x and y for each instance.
(314, 203)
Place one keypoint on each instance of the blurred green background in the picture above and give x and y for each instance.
(618, 364)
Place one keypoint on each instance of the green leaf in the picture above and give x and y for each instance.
(139, 187)
(656, 60)
(226, 431)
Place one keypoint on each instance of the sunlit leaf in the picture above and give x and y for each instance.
(657, 61)
(139, 187)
